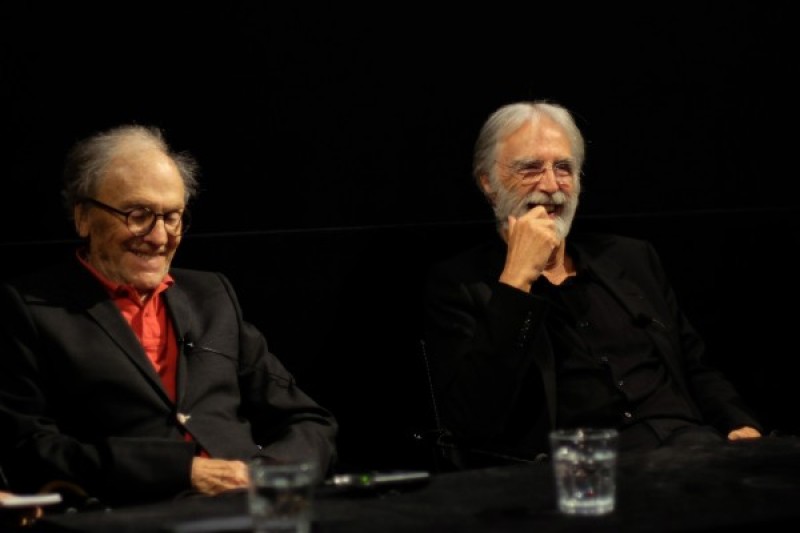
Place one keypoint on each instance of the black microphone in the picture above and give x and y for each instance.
(186, 342)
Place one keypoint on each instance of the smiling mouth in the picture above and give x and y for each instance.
(146, 255)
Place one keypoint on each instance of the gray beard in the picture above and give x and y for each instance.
(507, 204)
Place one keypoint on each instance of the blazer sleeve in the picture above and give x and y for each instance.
(714, 395)
(480, 336)
(238, 399)
(287, 424)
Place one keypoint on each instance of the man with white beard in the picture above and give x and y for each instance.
(533, 332)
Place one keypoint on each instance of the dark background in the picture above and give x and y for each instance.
(336, 143)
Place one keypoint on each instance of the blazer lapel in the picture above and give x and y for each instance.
(629, 295)
(633, 300)
(182, 315)
(109, 319)
(93, 300)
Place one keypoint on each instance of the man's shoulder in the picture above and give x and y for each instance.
(56, 274)
(63, 283)
(494, 247)
(590, 238)
(485, 260)
(597, 244)
(192, 279)
(192, 273)
(481, 261)
(613, 254)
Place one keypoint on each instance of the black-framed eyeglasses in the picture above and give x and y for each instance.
(141, 220)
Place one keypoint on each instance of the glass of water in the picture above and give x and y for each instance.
(584, 469)
(280, 496)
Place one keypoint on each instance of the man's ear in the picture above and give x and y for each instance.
(81, 217)
(488, 189)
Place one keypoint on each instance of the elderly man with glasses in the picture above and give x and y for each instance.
(127, 378)
(532, 331)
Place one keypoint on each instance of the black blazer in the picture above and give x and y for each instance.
(81, 402)
(492, 359)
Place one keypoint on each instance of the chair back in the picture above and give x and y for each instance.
(435, 440)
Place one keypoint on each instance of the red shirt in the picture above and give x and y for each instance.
(149, 321)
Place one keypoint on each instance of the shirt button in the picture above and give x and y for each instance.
(582, 323)
(604, 359)
(182, 418)
(620, 383)
(627, 414)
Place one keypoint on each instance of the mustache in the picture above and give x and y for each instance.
(538, 198)
(506, 203)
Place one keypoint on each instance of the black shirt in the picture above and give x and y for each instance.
(608, 372)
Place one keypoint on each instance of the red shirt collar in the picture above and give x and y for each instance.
(115, 288)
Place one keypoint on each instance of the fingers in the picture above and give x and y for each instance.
(212, 476)
(532, 240)
(744, 433)
(537, 212)
(535, 232)
(512, 221)
(509, 227)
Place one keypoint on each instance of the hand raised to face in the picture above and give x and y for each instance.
(531, 240)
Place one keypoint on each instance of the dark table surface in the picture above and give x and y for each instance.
(749, 486)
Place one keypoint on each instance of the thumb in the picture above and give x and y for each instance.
(511, 221)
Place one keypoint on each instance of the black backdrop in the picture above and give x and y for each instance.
(335, 147)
